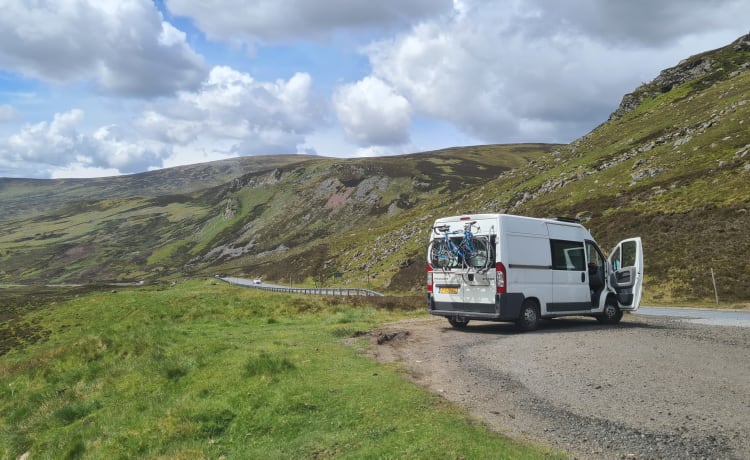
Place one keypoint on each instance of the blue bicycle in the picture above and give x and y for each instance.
(457, 249)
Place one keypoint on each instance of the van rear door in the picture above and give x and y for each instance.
(466, 289)
(626, 276)
(479, 282)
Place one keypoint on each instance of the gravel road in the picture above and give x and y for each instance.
(650, 387)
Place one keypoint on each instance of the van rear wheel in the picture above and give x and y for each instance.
(529, 319)
(458, 322)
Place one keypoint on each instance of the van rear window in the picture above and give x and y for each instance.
(479, 253)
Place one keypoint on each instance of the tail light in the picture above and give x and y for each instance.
(500, 278)
(429, 278)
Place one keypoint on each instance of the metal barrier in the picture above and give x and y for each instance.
(310, 291)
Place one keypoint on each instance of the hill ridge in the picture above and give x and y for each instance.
(701, 66)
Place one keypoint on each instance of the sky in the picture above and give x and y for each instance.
(92, 88)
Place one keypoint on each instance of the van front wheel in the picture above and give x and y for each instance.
(611, 313)
(529, 319)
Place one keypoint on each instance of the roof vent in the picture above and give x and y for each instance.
(572, 220)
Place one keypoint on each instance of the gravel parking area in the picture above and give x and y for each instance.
(650, 387)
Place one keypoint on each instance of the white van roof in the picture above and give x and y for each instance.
(469, 217)
(524, 224)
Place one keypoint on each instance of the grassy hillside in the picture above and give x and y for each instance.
(150, 226)
(201, 370)
(31, 197)
(671, 165)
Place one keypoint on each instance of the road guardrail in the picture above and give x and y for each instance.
(292, 290)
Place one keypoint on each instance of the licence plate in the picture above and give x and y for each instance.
(449, 290)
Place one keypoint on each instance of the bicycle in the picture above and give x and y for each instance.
(471, 252)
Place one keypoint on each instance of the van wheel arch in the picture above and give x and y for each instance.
(530, 315)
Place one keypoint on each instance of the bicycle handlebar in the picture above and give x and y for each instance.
(445, 228)
(441, 228)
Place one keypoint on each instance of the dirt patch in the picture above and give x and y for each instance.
(650, 387)
(338, 199)
(392, 336)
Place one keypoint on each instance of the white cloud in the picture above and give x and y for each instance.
(511, 71)
(372, 113)
(636, 23)
(269, 20)
(55, 143)
(123, 45)
(51, 148)
(238, 114)
(382, 151)
(231, 114)
(80, 171)
(116, 148)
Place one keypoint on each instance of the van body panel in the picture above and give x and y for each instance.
(530, 279)
(520, 225)
(506, 307)
(526, 250)
(560, 231)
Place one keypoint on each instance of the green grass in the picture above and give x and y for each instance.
(164, 253)
(200, 370)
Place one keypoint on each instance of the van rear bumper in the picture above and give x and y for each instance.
(507, 307)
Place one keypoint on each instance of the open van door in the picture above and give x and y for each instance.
(626, 276)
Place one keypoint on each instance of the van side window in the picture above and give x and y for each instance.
(629, 253)
(567, 255)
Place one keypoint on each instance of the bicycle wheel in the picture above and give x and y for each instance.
(478, 253)
(441, 255)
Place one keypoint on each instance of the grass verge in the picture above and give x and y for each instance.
(200, 370)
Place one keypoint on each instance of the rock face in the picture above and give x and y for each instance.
(693, 68)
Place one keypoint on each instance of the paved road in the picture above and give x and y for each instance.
(701, 316)
(653, 386)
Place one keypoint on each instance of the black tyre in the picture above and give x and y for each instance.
(458, 322)
(611, 314)
(530, 316)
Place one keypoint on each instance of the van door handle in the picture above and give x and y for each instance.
(583, 277)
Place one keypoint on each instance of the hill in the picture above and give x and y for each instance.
(31, 197)
(246, 215)
(670, 164)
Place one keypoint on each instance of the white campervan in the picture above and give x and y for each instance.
(501, 267)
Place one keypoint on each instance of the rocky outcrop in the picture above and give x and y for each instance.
(693, 68)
